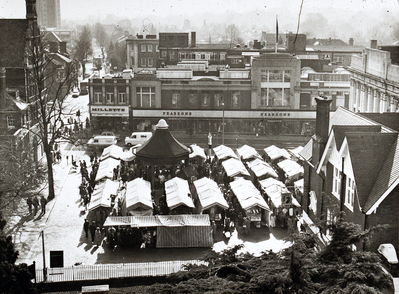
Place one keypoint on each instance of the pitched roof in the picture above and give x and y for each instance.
(306, 152)
(13, 41)
(389, 119)
(387, 176)
(52, 37)
(340, 131)
(368, 152)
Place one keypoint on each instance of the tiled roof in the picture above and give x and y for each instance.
(388, 174)
(306, 152)
(12, 44)
(389, 119)
(340, 131)
(368, 152)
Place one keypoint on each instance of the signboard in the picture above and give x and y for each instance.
(117, 111)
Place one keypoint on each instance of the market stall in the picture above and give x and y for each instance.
(210, 198)
(223, 152)
(292, 170)
(113, 151)
(235, 168)
(197, 153)
(246, 153)
(274, 153)
(178, 196)
(137, 198)
(261, 169)
(106, 169)
(295, 153)
(100, 205)
(251, 201)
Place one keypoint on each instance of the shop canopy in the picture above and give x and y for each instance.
(248, 196)
(209, 194)
(274, 152)
(274, 189)
(234, 167)
(295, 152)
(101, 196)
(113, 151)
(224, 152)
(246, 152)
(261, 168)
(291, 168)
(162, 148)
(138, 196)
(183, 220)
(106, 168)
(178, 193)
(197, 152)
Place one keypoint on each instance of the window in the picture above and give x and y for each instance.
(143, 48)
(142, 62)
(150, 62)
(206, 99)
(164, 53)
(235, 99)
(122, 98)
(149, 48)
(275, 97)
(222, 55)
(11, 122)
(146, 97)
(287, 76)
(218, 100)
(97, 97)
(110, 98)
(263, 96)
(350, 192)
(330, 217)
(193, 99)
(175, 99)
(263, 75)
(275, 75)
(172, 55)
(336, 187)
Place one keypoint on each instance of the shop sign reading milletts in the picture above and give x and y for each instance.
(109, 110)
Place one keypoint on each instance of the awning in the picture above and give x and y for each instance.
(101, 196)
(248, 196)
(178, 193)
(138, 194)
(197, 151)
(261, 168)
(106, 168)
(295, 152)
(247, 152)
(274, 189)
(234, 167)
(290, 168)
(183, 220)
(274, 152)
(209, 194)
(224, 152)
(113, 151)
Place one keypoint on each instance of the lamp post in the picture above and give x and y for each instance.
(222, 122)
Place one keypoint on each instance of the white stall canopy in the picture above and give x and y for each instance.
(234, 167)
(224, 152)
(101, 196)
(274, 189)
(138, 200)
(274, 152)
(113, 151)
(247, 152)
(106, 168)
(197, 151)
(291, 168)
(295, 152)
(261, 168)
(209, 194)
(178, 193)
(248, 196)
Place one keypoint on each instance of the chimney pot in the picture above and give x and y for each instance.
(322, 117)
(193, 39)
(373, 44)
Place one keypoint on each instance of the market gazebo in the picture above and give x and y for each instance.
(162, 148)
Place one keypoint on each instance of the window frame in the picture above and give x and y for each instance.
(349, 193)
(122, 94)
(143, 46)
(12, 125)
(98, 95)
(336, 185)
(109, 101)
(140, 94)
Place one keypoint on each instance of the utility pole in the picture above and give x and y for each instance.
(44, 259)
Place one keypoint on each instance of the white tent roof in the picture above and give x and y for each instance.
(114, 151)
(274, 189)
(247, 194)
(234, 167)
(389, 252)
(261, 168)
(138, 191)
(247, 152)
(295, 152)
(106, 168)
(209, 194)
(182, 220)
(223, 152)
(177, 193)
(197, 151)
(290, 167)
(101, 196)
(275, 152)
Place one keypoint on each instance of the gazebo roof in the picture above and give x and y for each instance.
(162, 147)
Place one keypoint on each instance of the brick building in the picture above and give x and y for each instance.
(142, 51)
(352, 165)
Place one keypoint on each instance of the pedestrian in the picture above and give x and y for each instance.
(86, 228)
(98, 237)
(35, 203)
(29, 202)
(43, 203)
(92, 229)
(67, 159)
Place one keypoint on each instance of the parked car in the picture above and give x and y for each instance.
(75, 93)
(137, 138)
(97, 143)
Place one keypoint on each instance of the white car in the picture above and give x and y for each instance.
(137, 138)
(100, 142)
(75, 93)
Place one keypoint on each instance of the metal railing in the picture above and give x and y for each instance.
(109, 271)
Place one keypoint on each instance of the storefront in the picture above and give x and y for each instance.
(110, 118)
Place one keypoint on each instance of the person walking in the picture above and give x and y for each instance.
(98, 237)
(86, 228)
(29, 202)
(43, 203)
(92, 229)
(35, 203)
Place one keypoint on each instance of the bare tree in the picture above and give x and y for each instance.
(83, 47)
(232, 35)
(53, 76)
(101, 36)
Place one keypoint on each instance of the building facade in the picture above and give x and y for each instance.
(142, 51)
(374, 81)
(49, 13)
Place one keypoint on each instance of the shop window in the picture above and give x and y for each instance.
(286, 97)
(149, 48)
(175, 99)
(122, 98)
(235, 99)
(350, 193)
(110, 98)
(98, 97)
(11, 122)
(275, 97)
(143, 48)
(146, 97)
(263, 96)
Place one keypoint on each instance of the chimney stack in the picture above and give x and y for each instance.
(30, 9)
(3, 87)
(193, 39)
(322, 127)
(351, 42)
(373, 44)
